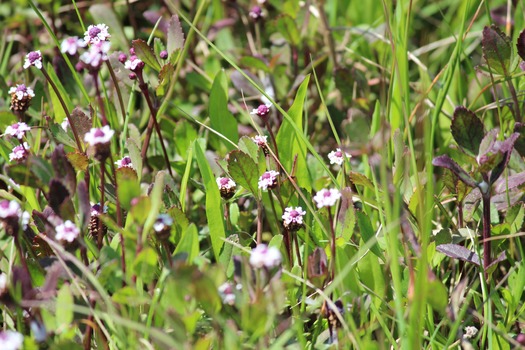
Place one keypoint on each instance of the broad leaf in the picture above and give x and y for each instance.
(189, 243)
(446, 162)
(288, 29)
(175, 35)
(145, 53)
(367, 232)
(243, 170)
(467, 130)
(497, 50)
(520, 44)
(221, 119)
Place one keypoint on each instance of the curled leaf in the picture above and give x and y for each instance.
(447, 162)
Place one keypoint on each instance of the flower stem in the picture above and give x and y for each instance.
(486, 232)
(100, 101)
(117, 88)
(332, 241)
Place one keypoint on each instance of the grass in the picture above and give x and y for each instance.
(400, 260)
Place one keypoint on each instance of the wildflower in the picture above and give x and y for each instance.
(95, 225)
(66, 232)
(293, 218)
(337, 157)
(227, 187)
(256, 13)
(21, 97)
(264, 256)
(96, 33)
(162, 226)
(3, 283)
(34, 58)
(470, 332)
(226, 291)
(122, 58)
(260, 140)
(268, 180)
(65, 124)
(71, 45)
(20, 152)
(99, 138)
(97, 53)
(134, 64)
(326, 198)
(9, 209)
(163, 54)
(11, 340)
(18, 130)
(262, 111)
(124, 163)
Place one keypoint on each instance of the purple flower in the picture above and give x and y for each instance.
(97, 53)
(66, 232)
(96, 209)
(262, 111)
(256, 13)
(163, 54)
(227, 187)
(326, 198)
(18, 129)
(337, 157)
(22, 92)
(227, 292)
(268, 180)
(11, 340)
(124, 163)
(71, 45)
(264, 256)
(20, 152)
(99, 135)
(134, 64)
(34, 58)
(96, 33)
(293, 218)
(261, 141)
(10, 209)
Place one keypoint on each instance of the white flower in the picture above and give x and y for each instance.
(227, 294)
(9, 209)
(256, 13)
(66, 232)
(268, 180)
(293, 216)
(326, 198)
(26, 217)
(470, 332)
(337, 156)
(124, 163)
(99, 135)
(132, 63)
(18, 129)
(96, 33)
(71, 45)
(65, 124)
(34, 58)
(264, 256)
(97, 53)
(3, 283)
(262, 110)
(21, 91)
(163, 222)
(261, 141)
(225, 183)
(11, 340)
(20, 152)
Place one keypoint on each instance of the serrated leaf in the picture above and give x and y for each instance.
(497, 50)
(249, 147)
(81, 122)
(164, 78)
(467, 130)
(243, 170)
(175, 35)
(361, 180)
(145, 53)
(459, 252)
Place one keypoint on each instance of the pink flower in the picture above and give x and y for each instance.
(124, 163)
(262, 111)
(256, 13)
(34, 58)
(71, 45)
(3, 283)
(65, 124)
(10, 209)
(268, 180)
(337, 157)
(293, 218)
(264, 256)
(227, 187)
(21, 91)
(66, 232)
(18, 129)
(99, 135)
(11, 340)
(261, 141)
(326, 198)
(20, 152)
(227, 293)
(134, 64)
(96, 33)
(97, 53)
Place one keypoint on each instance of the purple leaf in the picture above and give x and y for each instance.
(496, 50)
(495, 262)
(467, 130)
(446, 162)
(520, 142)
(520, 44)
(459, 252)
(504, 147)
(511, 182)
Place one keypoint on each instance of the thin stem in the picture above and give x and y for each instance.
(486, 232)
(332, 241)
(119, 220)
(272, 136)
(68, 115)
(259, 221)
(102, 193)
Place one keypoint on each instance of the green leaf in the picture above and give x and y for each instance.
(249, 147)
(243, 170)
(164, 78)
(175, 35)
(290, 144)
(254, 62)
(189, 243)
(59, 112)
(134, 154)
(438, 297)
(467, 130)
(129, 296)
(145, 53)
(145, 265)
(221, 119)
(288, 29)
(367, 232)
(497, 50)
(64, 310)
(214, 211)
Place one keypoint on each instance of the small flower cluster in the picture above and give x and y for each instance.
(262, 111)
(96, 33)
(227, 292)
(337, 156)
(10, 215)
(67, 232)
(293, 218)
(21, 97)
(17, 130)
(262, 142)
(34, 58)
(268, 180)
(227, 187)
(20, 152)
(99, 139)
(71, 45)
(124, 163)
(11, 340)
(263, 256)
(326, 197)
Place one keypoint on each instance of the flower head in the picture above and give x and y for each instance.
(21, 91)
(268, 180)
(262, 111)
(71, 45)
(96, 33)
(227, 187)
(326, 198)
(124, 163)
(18, 129)
(10, 209)
(65, 124)
(134, 64)
(293, 218)
(162, 226)
(260, 140)
(470, 332)
(11, 340)
(264, 256)
(99, 135)
(97, 53)
(337, 156)
(256, 13)
(20, 152)
(66, 232)
(34, 58)
(227, 293)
